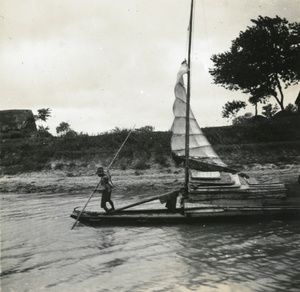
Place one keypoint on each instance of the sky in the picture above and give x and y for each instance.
(102, 64)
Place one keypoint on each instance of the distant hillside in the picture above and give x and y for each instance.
(269, 130)
(270, 142)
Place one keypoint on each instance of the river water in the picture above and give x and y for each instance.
(40, 252)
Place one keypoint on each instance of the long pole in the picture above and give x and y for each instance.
(187, 123)
(165, 196)
(100, 180)
(120, 148)
(86, 205)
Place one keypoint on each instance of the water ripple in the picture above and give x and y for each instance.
(39, 251)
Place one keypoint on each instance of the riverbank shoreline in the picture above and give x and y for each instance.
(157, 180)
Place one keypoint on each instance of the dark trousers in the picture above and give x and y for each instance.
(106, 198)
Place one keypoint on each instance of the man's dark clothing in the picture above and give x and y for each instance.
(106, 193)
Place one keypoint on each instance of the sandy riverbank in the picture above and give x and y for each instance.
(154, 180)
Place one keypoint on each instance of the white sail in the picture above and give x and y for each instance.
(200, 148)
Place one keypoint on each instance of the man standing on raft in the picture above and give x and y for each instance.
(106, 190)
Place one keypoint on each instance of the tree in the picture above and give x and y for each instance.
(146, 129)
(261, 61)
(231, 108)
(240, 120)
(43, 131)
(43, 114)
(119, 130)
(291, 108)
(269, 110)
(63, 128)
(71, 134)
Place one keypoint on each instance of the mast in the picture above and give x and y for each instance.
(187, 123)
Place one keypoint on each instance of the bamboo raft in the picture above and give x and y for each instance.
(225, 207)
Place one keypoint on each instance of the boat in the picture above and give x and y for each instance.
(212, 191)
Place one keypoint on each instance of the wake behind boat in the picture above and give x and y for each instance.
(211, 189)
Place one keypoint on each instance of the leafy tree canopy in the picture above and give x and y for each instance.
(119, 130)
(146, 129)
(291, 108)
(63, 128)
(269, 110)
(261, 61)
(242, 119)
(43, 114)
(231, 108)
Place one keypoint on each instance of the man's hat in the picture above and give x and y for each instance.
(100, 170)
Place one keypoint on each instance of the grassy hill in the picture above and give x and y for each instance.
(270, 142)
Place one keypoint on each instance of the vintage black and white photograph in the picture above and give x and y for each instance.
(150, 146)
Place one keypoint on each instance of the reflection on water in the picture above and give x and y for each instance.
(40, 252)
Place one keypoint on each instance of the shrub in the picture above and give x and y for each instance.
(141, 165)
(162, 160)
(123, 166)
(59, 166)
(72, 165)
(137, 172)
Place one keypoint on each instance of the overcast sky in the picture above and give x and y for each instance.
(101, 64)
